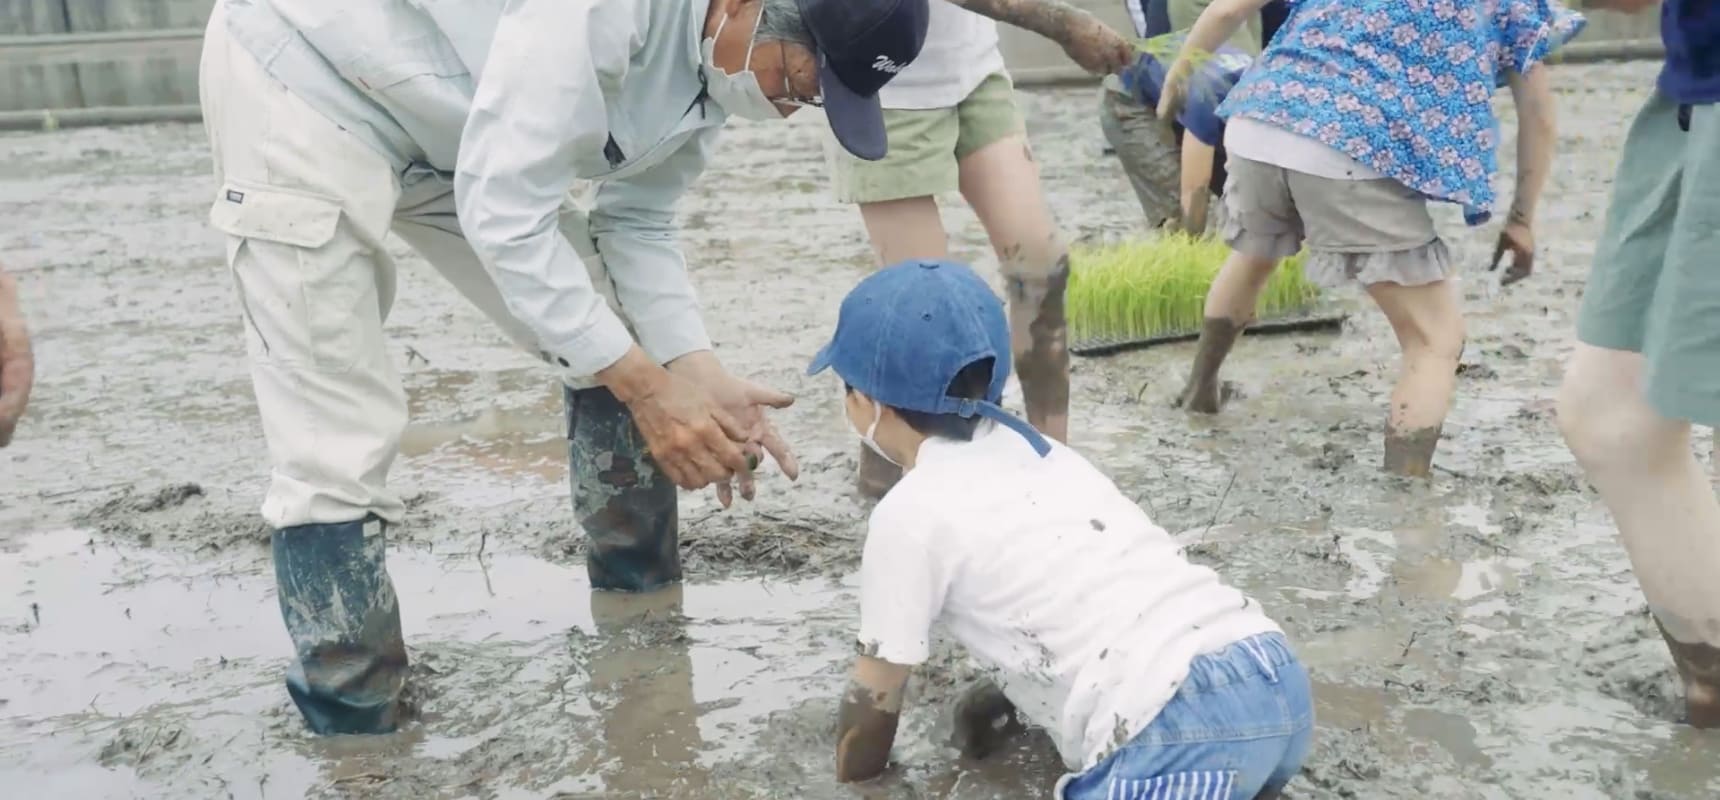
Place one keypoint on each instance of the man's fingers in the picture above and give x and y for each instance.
(1499, 249)
(728, 426)
(725, 494)
(766, 396)
(679, 470)
(723, 445)
(779, 452)
(748, 483)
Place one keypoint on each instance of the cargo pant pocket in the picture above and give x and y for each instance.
(304, 285)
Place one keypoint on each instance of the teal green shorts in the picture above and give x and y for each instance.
(1655, 285)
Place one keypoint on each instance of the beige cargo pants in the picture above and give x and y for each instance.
(306, 207)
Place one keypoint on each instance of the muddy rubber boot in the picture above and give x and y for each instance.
(339, 606)
(622, 500)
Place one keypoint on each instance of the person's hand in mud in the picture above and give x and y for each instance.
(1173, 94)
(690, 436)
(746, 402)
(1518, 239)
(17, 365)
(984, 720)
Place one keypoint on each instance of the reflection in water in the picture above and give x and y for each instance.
(643, 668)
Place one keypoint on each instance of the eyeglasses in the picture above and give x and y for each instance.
(788, 97)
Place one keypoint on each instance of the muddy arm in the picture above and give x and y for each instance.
(1217, 24)
(1197, 162)
(1537, 129)
(866, 726)
(1087, 39)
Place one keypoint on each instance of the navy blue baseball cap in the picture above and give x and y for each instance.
(905, 332)
(861, 45)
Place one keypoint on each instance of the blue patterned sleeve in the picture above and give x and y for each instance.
(1531, 30)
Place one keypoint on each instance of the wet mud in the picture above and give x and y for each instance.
(1476, 634)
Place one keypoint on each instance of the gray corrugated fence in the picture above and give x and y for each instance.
(93, 62)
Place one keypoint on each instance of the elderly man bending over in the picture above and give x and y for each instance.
(533, 152)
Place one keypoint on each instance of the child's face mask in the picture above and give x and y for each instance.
(867, 437)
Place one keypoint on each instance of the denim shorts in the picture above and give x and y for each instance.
(1239, 727)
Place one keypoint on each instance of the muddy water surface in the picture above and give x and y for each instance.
(1477, 636)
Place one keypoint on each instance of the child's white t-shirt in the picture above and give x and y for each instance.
(960, 51)
(1079, 607)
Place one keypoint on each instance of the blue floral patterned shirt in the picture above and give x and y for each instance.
(1403, 86)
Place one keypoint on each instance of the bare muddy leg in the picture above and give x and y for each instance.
(1668, 517)
(1410, 453)
(1428, 322)
(622, 500)
(339, 606)
(1230, 305)
(1000, 181)
(1699, 668)
(877, 475)
(1041, 342)
(1204, 393)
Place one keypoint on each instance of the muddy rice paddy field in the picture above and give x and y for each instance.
(1476, 636)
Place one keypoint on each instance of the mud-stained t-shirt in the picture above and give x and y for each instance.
(1080, 608)
(1691, 32)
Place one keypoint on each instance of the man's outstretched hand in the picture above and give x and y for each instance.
(701, 425)
(744, 401)
(693, 440)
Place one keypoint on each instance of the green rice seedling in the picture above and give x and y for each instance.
(1140, 289)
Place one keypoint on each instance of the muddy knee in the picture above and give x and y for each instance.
(621, 498)
(1611, 425)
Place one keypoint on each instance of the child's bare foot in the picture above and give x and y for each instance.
(1204, 393)
(1206, 398)
(1699, 667)
(876, 476)
(1410, 453)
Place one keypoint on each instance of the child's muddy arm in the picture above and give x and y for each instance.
(1217, 24)
(866, 726)
(1197, 161)
(1537, 130)
(1087, 39)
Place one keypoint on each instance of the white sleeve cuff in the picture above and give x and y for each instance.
(595, 349)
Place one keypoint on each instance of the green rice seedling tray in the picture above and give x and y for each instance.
(1138, 293)
(1303, 323)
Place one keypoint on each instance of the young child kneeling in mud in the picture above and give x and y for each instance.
(1148, 671)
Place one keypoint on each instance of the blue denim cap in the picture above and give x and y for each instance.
(904, 333)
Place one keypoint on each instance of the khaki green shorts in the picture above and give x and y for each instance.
(926, 145)
(1655, 285)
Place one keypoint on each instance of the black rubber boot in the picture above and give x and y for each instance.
(340, 608)
(625, 504)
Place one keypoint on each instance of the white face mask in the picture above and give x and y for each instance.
(871, 443)
(739, 94)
